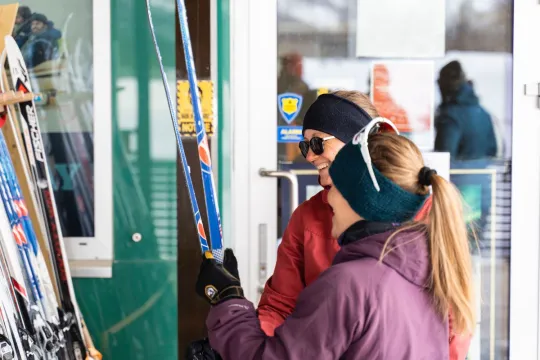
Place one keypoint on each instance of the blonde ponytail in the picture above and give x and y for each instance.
(451, 275)
(451, 283)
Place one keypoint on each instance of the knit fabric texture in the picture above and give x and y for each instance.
(350, 176)
(335, 116)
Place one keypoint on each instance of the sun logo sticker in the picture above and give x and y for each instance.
(200, 229)
(289, 105)
(204, 153)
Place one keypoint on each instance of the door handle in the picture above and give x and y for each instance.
(263, 243)
(293, 179)
(263, 228)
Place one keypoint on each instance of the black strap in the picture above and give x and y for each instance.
(232, 292)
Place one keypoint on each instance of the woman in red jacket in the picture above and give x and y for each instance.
(307, 247)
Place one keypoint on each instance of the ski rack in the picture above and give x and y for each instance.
(13, 97)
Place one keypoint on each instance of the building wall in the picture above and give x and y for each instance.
(133, 315)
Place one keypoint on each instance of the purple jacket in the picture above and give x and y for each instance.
(357, 309)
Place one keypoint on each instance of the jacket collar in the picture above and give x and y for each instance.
(363, 229)
(325, 195)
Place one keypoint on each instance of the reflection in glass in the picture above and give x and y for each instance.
(55, 39)
(316, 49)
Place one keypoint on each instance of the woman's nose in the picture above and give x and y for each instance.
(311, 156)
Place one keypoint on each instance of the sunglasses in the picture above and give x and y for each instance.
(316, 144)
(375, 126)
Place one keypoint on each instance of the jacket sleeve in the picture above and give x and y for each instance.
(282, 289)
(459, 344)
(423, 213)
(448, 135)
(323, 325)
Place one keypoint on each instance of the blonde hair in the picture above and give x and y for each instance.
(451, 283)
(360, 99)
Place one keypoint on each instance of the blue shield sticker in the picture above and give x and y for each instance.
(289, 105)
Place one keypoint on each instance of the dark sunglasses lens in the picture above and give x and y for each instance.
(304, 147)
(317, 145)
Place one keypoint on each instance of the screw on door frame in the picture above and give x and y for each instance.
(136, 237)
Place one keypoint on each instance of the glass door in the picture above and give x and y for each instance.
(320, 46)
(317, 52)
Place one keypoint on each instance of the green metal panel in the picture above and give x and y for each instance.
(224, 124)
(134, 314)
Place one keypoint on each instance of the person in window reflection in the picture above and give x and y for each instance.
(390, 286)
(23, 25)
(42, 44)
(464, 128)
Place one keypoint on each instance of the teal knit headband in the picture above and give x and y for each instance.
(350, 176)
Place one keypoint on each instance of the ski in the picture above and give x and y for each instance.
(71, 317)
(15, 304)
(9, 313)
(210, 197)
(41, 311)
(31, 206)
(42, 315)
(203, 242)
(13, 298)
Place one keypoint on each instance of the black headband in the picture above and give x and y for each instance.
(335, 116)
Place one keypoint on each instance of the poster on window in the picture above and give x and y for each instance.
(403, 92)
(400, 29)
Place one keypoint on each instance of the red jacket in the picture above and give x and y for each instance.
(306, 250)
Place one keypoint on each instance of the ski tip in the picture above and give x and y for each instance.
(93, 354)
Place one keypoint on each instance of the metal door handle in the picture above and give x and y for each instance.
(263, 243)
(293, 179)
(263, 228)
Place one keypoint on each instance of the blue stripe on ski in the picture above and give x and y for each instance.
(16, 192)
(214, 220)
(14, 220)
(17, 195)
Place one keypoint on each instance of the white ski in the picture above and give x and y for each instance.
(40, 172)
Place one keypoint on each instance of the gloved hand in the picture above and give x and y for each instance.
(230, 263)
(201, 350)
(215, 283)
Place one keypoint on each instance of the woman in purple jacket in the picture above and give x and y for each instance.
(389, 290)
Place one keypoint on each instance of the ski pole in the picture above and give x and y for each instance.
(214, 221)
(194, 206)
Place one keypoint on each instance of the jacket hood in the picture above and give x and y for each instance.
(52, 33)
(465, 95)
(409, 255)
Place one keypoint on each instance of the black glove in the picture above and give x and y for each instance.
(230, 263)
(215, 283)
(201, 350)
